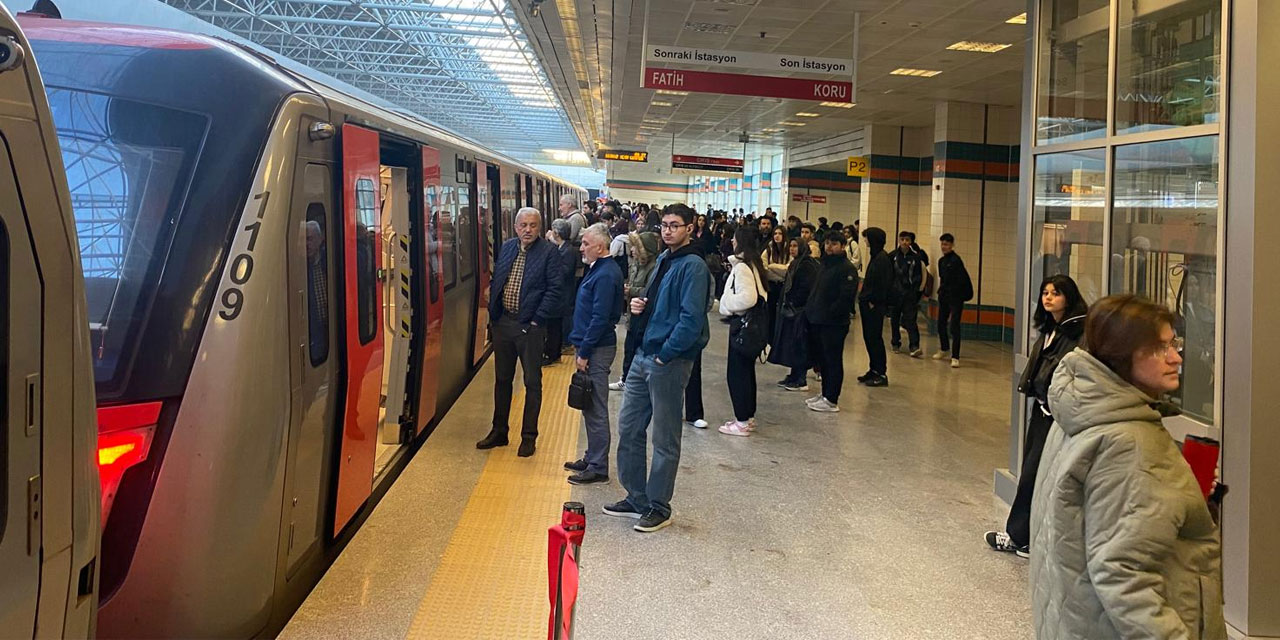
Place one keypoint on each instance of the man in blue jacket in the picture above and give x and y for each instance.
(673, 315)
(524, 294)
(598, 308)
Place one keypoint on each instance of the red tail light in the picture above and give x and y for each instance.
(124, 439)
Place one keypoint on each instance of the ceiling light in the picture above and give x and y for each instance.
(770, 130)
(981, 47)
(660, 103)
(921, 73)
(838, 105)
(806, 114)
(668, 92)
(788, 123)
(708, 27)
(1021, 18)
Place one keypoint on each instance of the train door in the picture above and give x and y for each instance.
(49, 494)
(397, 308)
(362, 333)
(432, 281)
(485, 192)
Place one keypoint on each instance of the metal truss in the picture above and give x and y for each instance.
(463, 64)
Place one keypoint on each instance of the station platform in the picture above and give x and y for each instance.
(861, 524)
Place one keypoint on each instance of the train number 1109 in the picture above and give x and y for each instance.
(242, 265)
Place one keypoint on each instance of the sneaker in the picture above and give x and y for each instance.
(784, 382)
(617, 386)
(576, 465)
(862, 379)
(1000, 541)
(699, 424)
(652, 521)
(897, 348)
(824, 406)
(812, 400)
(796, 386)
(955, 363)
(621, 509)
(939, 355)
(917, 352)
(735, 428)
(588, 477)
(878, 381)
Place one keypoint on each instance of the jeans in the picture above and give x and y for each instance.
(653, 393)
(873, 336)
(512, 341)
(596, 417)
(949, 312)
(740, 372)
(903, 314)
(693, 392)
(831, 355)
(1018, 526)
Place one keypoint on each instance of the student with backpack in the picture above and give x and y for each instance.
(955, 289)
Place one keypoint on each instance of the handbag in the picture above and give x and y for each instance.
(748, 333)
(580, 389)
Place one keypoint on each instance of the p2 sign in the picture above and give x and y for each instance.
(858, 167)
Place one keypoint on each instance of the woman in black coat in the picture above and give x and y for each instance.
(790, 339)
(1059, 319)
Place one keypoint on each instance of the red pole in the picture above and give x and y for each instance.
(564, 544)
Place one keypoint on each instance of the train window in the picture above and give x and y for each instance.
(366, 259)
(433, 239)
(466, 233)
(448, 239)
(317, 282)
(128, 165)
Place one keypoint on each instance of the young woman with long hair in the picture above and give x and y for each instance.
(744, 289)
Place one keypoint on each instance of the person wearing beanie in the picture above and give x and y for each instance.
(877, 292)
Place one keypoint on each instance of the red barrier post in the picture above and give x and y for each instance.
(564, 544)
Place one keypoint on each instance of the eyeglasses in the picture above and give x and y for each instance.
(1176, 344)
(671, 226)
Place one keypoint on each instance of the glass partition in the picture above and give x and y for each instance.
(1066, 230)
(1169, 64)
(1071, 91)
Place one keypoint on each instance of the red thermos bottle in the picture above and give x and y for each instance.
(1202, 456)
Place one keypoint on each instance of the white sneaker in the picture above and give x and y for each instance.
(940, 355)
(699, 424)
(813, 399)
(735, 428)
(917, 353)
(617, 386)
(824, 406)
(955, 363)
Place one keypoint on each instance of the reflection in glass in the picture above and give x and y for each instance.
(1066, 227)
(1168, 64)
(366, 258)
(1164, 246)
(1071, 96)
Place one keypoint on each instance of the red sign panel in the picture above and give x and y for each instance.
(743, 85)
(705, 163)
(818, 199)
(802, 197)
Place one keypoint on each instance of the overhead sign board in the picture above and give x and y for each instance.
(769, 62)
(743, 85)
(705, 165)
(623, 156)
(858, 167)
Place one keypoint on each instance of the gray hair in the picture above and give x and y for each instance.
(528, 211)
(598, 229)
(562, 228)
(569, 198)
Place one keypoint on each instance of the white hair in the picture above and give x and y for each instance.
(528, 211)
(569, 198)
(599, 229)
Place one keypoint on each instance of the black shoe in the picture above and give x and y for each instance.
(652, 521)
(492, 440)
(866, 376)
(588, 477)
(576, 465)
(878, 381)
(621, 509)
(546, 362)
(526, 448)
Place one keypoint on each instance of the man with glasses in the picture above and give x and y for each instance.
(673, 321)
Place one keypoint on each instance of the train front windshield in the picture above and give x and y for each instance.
(129, 165)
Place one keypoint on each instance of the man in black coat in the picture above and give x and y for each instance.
(523, 296)
(877, 292)
(827, 312)
(954, 290)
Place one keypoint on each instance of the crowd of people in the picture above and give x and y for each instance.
(1121, 540)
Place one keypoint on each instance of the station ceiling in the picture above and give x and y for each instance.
(592, 51)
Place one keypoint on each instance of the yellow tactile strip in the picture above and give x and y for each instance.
(492, 580)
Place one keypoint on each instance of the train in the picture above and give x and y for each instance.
(286, 287)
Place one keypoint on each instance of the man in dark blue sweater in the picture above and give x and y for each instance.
(524, 295)
(598, 308)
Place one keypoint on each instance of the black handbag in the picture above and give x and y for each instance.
(748, 332)
(580, 389)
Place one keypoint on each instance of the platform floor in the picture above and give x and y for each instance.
(862, 524)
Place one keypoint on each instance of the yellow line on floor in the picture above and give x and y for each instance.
(492, 580)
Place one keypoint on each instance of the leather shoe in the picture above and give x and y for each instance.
(492, 440)
(526, 448)
(588, 477)
(576, 465)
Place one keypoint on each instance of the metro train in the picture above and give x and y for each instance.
(286, 286)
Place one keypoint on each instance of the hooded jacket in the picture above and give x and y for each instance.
(645, 244)
(1122, 543)
(1043, 360)
(675, 319)
(877, 284)
(833, 292)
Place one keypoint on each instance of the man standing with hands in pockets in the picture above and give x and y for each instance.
(673, 317)
(598, 308)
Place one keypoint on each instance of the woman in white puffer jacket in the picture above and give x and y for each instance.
(745, 288)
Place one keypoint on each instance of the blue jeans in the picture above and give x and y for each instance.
(653, 392)
(596, 417)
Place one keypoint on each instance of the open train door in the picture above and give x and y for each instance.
(49, 492)
(485, 191)
(361, 246)
(433, 285)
